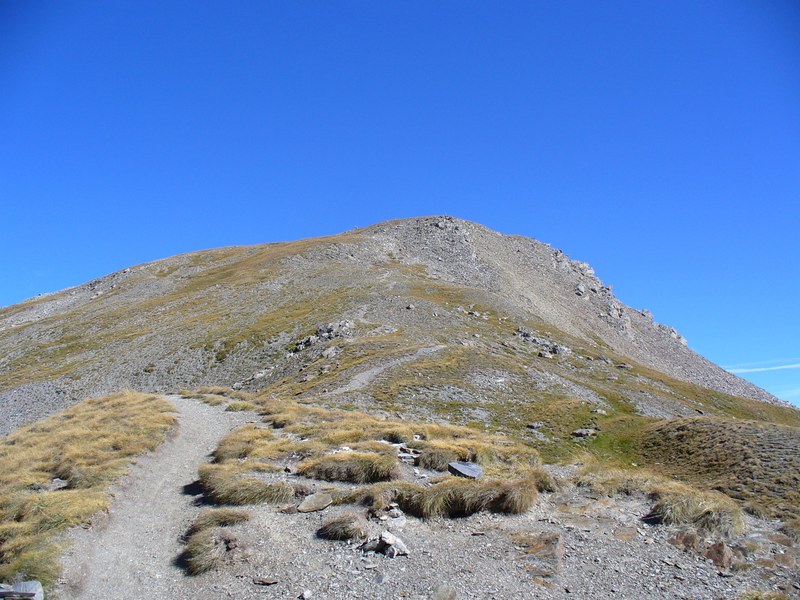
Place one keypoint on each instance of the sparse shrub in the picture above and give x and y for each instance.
(345, 527)
(354, 467)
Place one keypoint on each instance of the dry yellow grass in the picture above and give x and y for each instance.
(323, 430)
(353, 467)
(87, 445)
(345, 527)
(674, 502)
(451, 497)
(206, 542)
(756, 463)
(226, 485)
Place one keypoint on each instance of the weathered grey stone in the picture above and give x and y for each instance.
(584, 432)
(465, 469)
(30, 587)
(315, 502)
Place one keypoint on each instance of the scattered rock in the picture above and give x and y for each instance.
(410, 307)
(686, 541)
(315, 502)
(330, 352)
(263, 581)
(720, 554)
(388, 543)
(465, 469)
(535, 425)
(306, 595)
(585, 432)
(580, 289)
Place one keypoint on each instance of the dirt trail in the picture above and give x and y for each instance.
(363, 379)
(132, 554)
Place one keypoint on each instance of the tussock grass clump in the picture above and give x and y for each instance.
(217, 517)
(678, 504)
(218, 390)
(240, 406)
(754, 462)
(675, 503)
(452, 497)
(437, 457)
(226, 486)
(792, 529)
(345, 527)
(206, 543)
(353, 467)
(438, 444)
(241, 443)
(88, 446)
(758, 595)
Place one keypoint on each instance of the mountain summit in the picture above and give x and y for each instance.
(486, 319)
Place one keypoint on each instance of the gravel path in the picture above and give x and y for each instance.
(131, 555)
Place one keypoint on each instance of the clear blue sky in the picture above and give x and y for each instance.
(659, 141)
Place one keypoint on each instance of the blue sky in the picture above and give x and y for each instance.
(659, 141)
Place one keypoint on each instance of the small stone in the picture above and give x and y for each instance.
(306, 595)
(291, 509)
(535, 425)
(410, 307)
(315, 502)
(465, 469)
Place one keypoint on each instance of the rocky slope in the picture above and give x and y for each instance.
(439, 321)
(231, 316)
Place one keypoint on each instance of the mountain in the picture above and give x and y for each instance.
(400, 333)
(486, 307)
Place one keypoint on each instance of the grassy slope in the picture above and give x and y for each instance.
(88, 446)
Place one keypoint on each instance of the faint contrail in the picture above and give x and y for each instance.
(762, 369)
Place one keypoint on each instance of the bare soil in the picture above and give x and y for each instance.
(131, 552)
